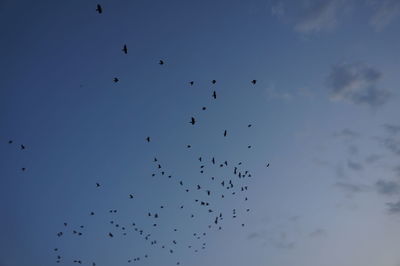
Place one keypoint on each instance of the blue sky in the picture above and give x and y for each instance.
(324, 114)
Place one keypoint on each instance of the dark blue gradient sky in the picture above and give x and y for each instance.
(324, 114)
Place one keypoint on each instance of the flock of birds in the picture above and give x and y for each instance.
(214, 190)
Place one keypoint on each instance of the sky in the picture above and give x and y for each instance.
(324, 114)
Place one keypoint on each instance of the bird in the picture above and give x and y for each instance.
(130, 196)
(213, 81)
(148, 139)
(110, 235)
(99, 9)
(225, 132)
(254, 82)
(267, 164)
(214, 95)
(204, 108)
(10, 142)
(191, 83)
(161, 62)
(23, 168)
(115, 80)
(192, 121)
(97, 185)
(249, 125)
(22, 147)
(125, 49)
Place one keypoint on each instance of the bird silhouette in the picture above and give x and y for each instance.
(99, 9)
(148, 139)
(191, 83)
(213, 81)
(125, 49)
(130, 196)
(116, 80)
(192, 121)
(161, 62)
(254, 82)
(22, 147)
(10, 142)
(225, 132)
(97, 185)
(214, 95)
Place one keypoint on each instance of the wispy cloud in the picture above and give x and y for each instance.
(386, 11)
(354, 166)
(357, 83)
(394, 207)
(387, 187)
(391, 144)
(347, 133)
(318, 233)
(372, 158)
(351, 188)
(319, 16)
(392, 129)
(273, 93)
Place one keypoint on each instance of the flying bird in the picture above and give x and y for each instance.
(214, 95)
(116, 80)
(191, 83)
(161, 62)
(99, 9)
(22, 147)
(97, 185)
(254, 82)
(225, 133)
(10, 142)
(125, 49)
(192, 121)
(213, 81)
(148, 139)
